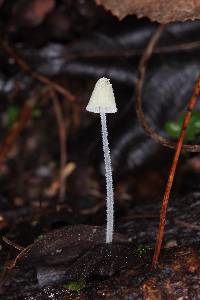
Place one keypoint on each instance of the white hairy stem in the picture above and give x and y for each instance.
(102, 101)
(109, 181)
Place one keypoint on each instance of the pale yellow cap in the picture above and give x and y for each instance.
(102, 98)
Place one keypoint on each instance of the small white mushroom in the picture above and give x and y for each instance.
(102, 101)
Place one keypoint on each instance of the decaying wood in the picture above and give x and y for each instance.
(157, 10)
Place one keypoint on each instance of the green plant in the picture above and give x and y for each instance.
(193, 129)
(12, 114)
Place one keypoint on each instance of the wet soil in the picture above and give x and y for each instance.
(131, 277)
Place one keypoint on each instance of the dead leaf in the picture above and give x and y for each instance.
(78, 251)
(157, 10)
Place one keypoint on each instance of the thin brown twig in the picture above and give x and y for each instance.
(63, 142)
(35, 75)
(92, 210)
(191, 105)
(138, 97)
(11, 243)
(20, 123)
(22, 253)
(121, 53)
(11, 264)
(13, 133)
(187, 225)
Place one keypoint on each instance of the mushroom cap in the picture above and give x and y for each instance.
(102, 99)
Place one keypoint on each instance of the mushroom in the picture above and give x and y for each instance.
(102, 101)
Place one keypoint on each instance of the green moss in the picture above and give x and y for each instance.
(37, 113)
(142, 251)
(13, 112)
(40, 237)
(75, 286)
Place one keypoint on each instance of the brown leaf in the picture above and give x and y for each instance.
(157, 10)
(78, 251)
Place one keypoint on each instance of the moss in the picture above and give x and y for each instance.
(40, 237)
(12, 114)
(142, 251)
(75, 286)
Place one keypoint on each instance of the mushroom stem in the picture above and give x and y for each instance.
(109, 181)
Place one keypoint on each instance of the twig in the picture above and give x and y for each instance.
(123, 53)
(63, 142)
(187, 225)
(191, 105)
(11, 264)
(35, 75)
(22, 253)
(92, 210)
(11, 243)
(138, 99)
(13, 133)
(56, 183)
(140, 216)
(21, 122)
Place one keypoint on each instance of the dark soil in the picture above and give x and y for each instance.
(125, 273)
